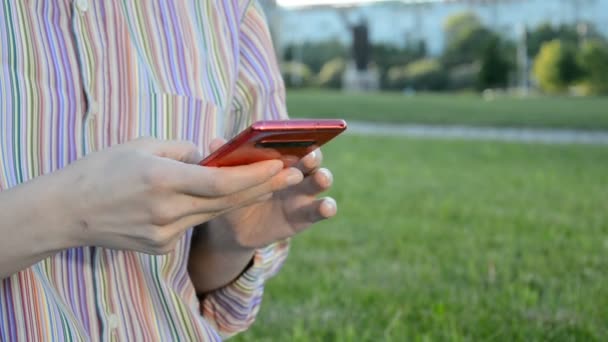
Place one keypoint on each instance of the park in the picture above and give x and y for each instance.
(453, 239)
(450, 239)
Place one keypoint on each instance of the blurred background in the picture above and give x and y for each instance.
(472, 183)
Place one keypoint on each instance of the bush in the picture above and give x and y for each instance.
(315, 54)
(424, 74)
(464, 76)
(296, 74)
(331, 73)
(555, 67)
(395, 78)
(387, 56)
(593, 60)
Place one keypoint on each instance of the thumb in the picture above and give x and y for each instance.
(183, 151)
(216, 144)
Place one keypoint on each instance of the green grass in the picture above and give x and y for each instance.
(555, 112)
(450, 240)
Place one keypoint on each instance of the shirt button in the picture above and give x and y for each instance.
(94, 107)
(113, 321)
(82, 5)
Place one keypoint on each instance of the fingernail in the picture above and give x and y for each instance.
(328, 175)
(311, 160)
(294, 177)
(330, 205)
(276, 168)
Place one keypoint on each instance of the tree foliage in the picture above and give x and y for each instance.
(387, 56)
(331, 73)
(555, 67)
(495, 66)
(466, 39)
(546, 32)
(315, 54)
(296, 74)
(567, 33)
(593, 60)
(424, 74)
(474, 56)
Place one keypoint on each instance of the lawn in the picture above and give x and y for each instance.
(557, 112)
(450, 240)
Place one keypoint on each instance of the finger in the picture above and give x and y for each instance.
(316, 183)
(311, 162)
(187, 222)
(203, 181)
(216, 144)
(186, 205)
(246, 203)
(197, 218)
(328, 208)
(284, 179)
(318, 210)
(180, 206)
(183, 151)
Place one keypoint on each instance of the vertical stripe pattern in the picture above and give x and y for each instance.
(80, 76)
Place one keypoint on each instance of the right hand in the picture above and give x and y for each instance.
(143, 195)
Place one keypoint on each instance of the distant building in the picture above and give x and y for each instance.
(396, 24)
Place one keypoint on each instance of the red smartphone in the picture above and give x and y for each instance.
(287, 140)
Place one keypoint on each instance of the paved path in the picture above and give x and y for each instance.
(530, 135)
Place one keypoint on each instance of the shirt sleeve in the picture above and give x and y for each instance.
(259, 95)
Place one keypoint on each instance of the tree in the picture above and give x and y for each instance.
(495, 67)
(593, 59)
(555, 67)
(456, 24)
(567, 33)
(288, 55)
(466, 39)
(546, 32)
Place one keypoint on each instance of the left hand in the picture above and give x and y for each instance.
(222, 248)
(282, 214)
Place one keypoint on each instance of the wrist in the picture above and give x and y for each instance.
(41, 215)
(215, 258)
(221, 234)
(63, 205)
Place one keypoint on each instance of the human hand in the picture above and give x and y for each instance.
(143, 195)
(279, 215)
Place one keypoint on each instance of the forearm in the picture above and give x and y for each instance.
(33, 223)
(215, 259)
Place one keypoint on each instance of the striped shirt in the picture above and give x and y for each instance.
(77, 76)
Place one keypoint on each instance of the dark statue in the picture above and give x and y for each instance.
(361, 46)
